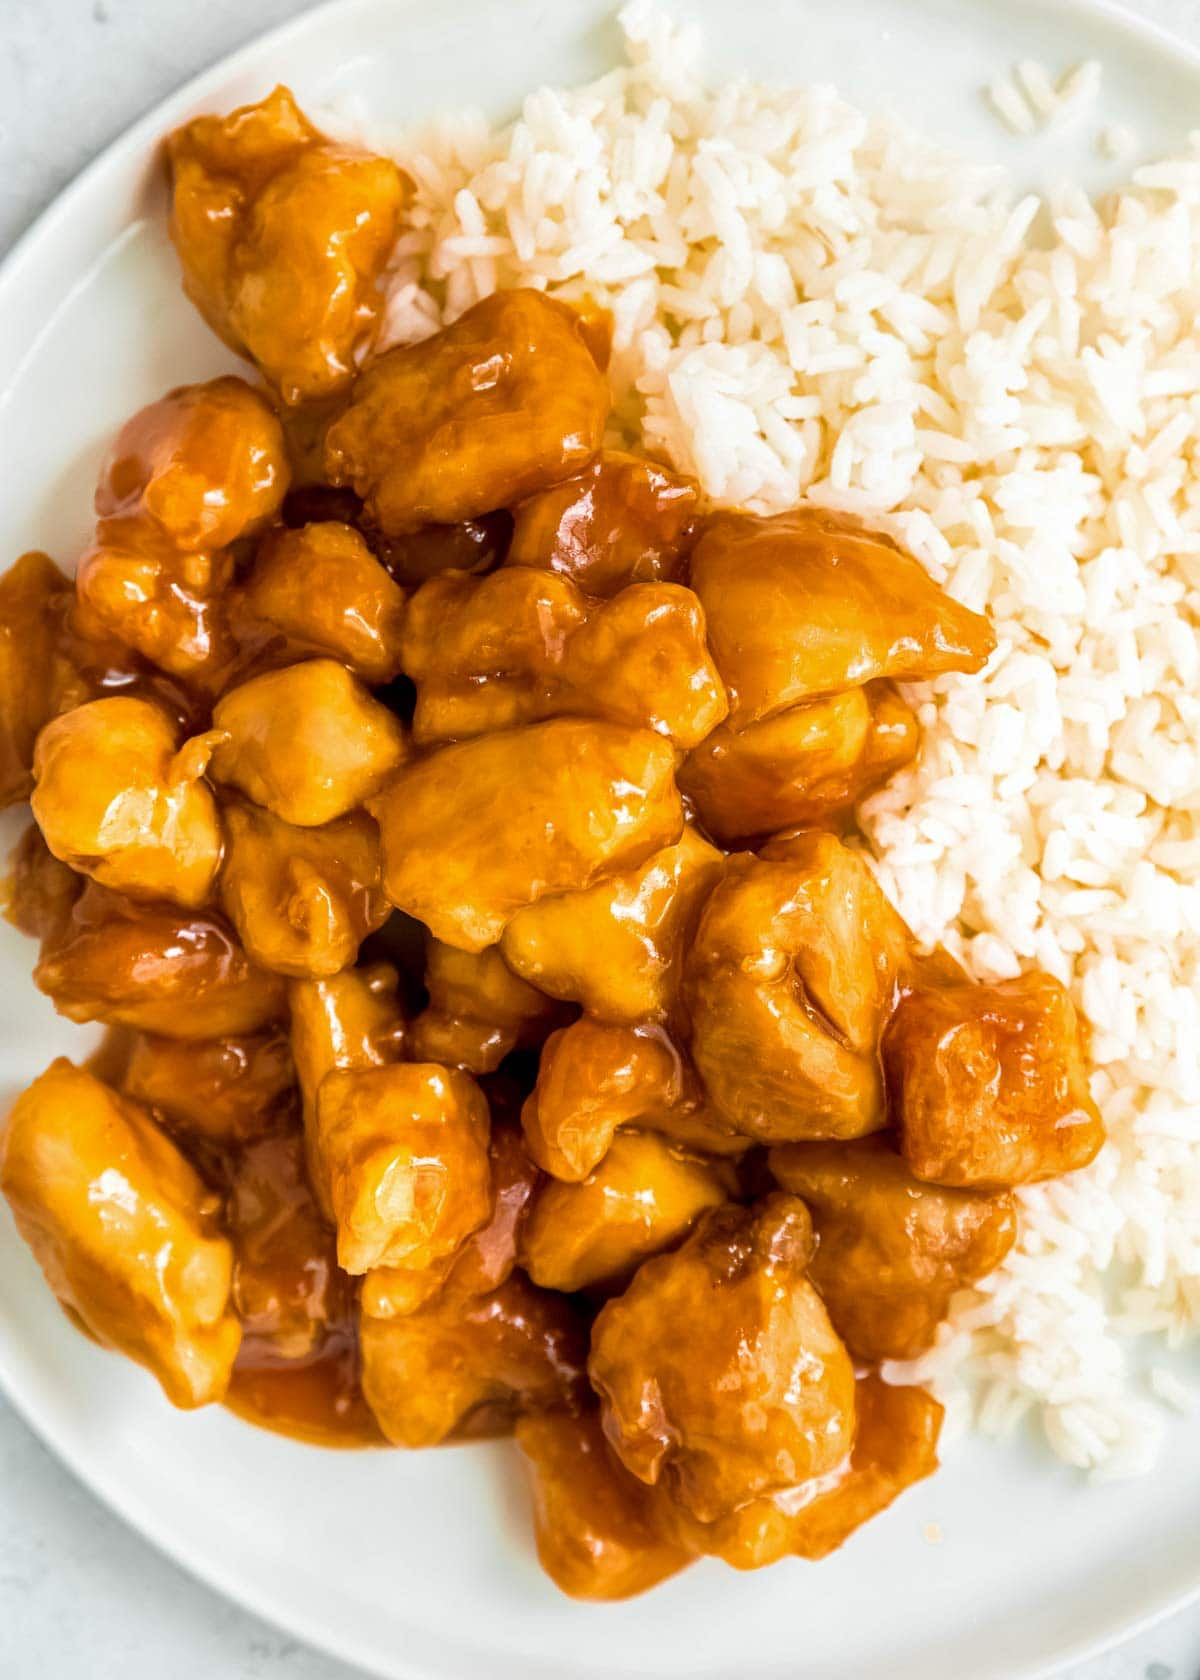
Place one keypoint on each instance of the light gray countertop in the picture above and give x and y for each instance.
(81, 1596)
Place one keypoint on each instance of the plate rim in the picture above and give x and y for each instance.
(17, 1383)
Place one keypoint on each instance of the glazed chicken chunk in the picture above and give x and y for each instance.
(124, 1229)
(802, 604)
(283, 236)
(505, 402)
(226, 1091)
(549, 808)
(41, 892)
(718, 1370)
(989, 1085)
(891, 1250)
(478, 1010)
(119, 799)
(37, 679)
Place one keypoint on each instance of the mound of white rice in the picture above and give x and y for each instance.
(812, 304)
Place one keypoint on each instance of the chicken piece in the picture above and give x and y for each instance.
(617, 947)
(118, 799)
(486, 1258)
(503, 403)
(718, 1370)
(988, 1084)
(351, 1020)
(476, 831)
(124, 1230)
(895, 1445)
(791, 976)
(302, 899)
(205, 465)
(803, 604)
(474, 546)
(288, 1290)
(597, 1528)
(283, 237)
(158, 969)
(402, 1154)
(478, 1010)
(468, 1369)
(643, 1197)
(891, 1251)
(308, 742)
(225, 1091)
(40, 893)
(37, 678)
(804, 767)
(521, 644)
(323, 589)
(595, 1076)
(622, 520)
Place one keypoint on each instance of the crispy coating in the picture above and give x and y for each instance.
(718, 1370)
(308, 742)
(124, 1230)
(402, 1153)
(479, 1010)
(597, 1528)
(226, 1091)
(521, 644)
(501, 404)
(322, 589)
(642, 1198)
(895, 1445)
(282, 236)
(802, 768)
(302, 899)
(803, 604)
(118, 800)
(617, 948)
(461, 1370)
(891, 1250)
(621, 520)
(988, 1084)
(549, 808)
(162, 970)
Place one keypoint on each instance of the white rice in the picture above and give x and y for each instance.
(814, 304)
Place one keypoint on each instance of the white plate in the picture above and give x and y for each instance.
(419, 1566)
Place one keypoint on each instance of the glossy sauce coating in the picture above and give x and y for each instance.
(37, 678)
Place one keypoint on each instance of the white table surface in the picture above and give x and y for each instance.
(81, 1596)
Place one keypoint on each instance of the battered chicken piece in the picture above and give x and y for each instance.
(40, 892)
(550, 808)
(891, 1251)
(988, 1084)
(302, 899)
(161, 970)
(283, 236)
(617, 947)
(802, 604)
(226, 1091)
(597, 1527)
(402, 1154)
(287, 1287)
(479, 1010)
(594, 1077)
(621, 520)
(792, 974)
(462, 1370)
(718, 1370)
(805, 767)
(308, 742)
(124, 1230)
(501, 404)
(322, 589)
(642, 1198)
(474, 546)
(895, 1445)
(522, 644)
(118, 799)
(37, 679)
